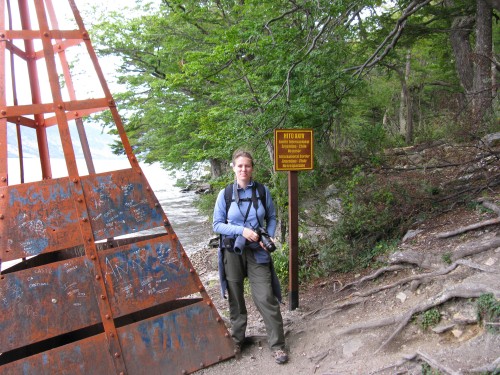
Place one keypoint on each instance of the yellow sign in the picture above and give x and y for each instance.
(293, 149)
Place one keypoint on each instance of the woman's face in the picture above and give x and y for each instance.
(243, 168)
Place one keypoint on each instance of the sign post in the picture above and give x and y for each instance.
(293, 152)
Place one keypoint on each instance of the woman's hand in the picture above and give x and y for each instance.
(250, 235)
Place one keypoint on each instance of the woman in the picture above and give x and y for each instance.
(243, 255)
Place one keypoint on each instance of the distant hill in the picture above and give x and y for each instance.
(99, 141)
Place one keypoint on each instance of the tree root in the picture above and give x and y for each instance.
(424, 357)
(473, 291)
(481, 224)
(492, 368)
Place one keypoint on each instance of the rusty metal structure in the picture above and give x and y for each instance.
(91, 293)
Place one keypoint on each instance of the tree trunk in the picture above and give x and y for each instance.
(217, 167)
(461, 30)
(405, 107)
(482, 100)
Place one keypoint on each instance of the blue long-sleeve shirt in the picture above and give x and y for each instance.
(236, 223)
(236, 214)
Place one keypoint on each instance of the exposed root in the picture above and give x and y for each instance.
(492, 368)
(473, 291)
(481, 224)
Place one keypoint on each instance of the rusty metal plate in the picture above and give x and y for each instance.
(38, 217)
(119, 203)
(145, 274)
(181, 341)
(43, 302)
(88, 356)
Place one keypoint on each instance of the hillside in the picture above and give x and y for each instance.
(361, 324)
(417, 314)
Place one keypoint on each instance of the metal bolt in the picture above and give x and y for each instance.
(157, 205)
(3, 112)
(191, 270)
(4, 178)
(75, 180)
(97, 277)
(218, 319)
(85, 219)
(80, 199)
(54, 300)
(103, 297)
(1, 217)
(107, 316)
(45, 34)
(111, 334)
(117, 355)
(59, 106)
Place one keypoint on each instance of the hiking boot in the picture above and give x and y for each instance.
(280, 356)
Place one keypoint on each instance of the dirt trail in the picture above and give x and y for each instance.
(341, 329)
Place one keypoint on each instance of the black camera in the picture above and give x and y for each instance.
(266, 239)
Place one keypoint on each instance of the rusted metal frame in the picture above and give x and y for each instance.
(85, 226)
(85, 107)
(41, 134)
(104, 85)
(16, 102)
(90, 247)
(71, 90)
(3, 121)
(67, 145)
(72, 115)
(13, 48)
(61, 45)
(21, 120)
(35, 34)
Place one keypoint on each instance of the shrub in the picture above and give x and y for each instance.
(488, 311)
(429, 318)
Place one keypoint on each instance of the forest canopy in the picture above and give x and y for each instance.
(203, 78)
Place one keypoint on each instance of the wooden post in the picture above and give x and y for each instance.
(293, 221)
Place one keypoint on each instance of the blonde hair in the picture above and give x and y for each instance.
(241, 153)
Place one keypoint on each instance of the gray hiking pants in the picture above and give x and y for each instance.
(237, 267)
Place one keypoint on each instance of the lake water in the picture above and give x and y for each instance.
(192, 229)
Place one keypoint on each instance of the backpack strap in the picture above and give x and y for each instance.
(257, 186)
